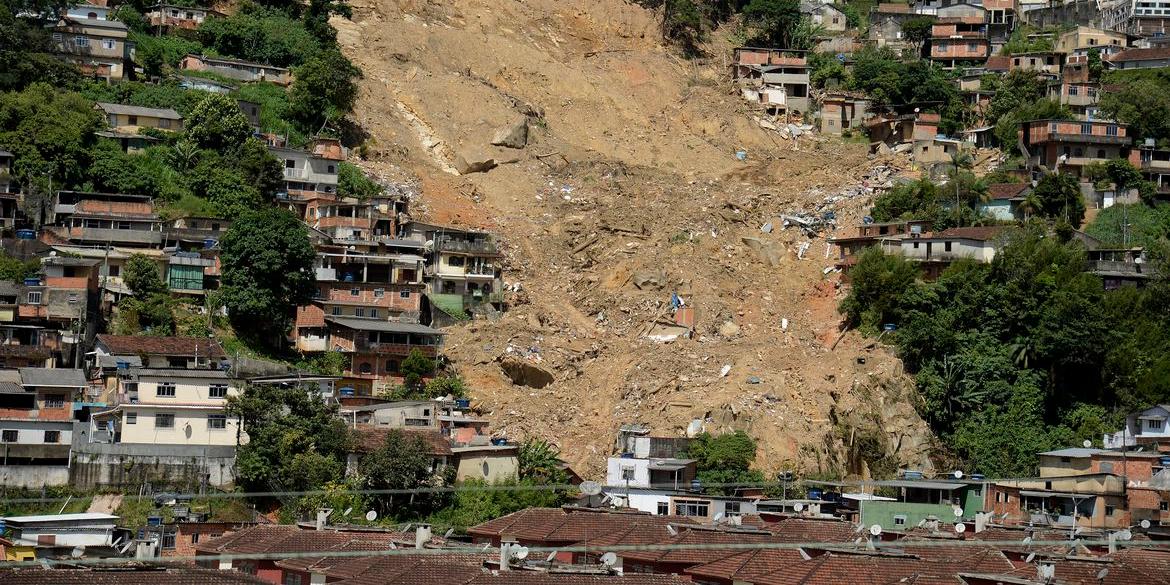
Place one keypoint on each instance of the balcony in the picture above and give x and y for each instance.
(295, 174)
(1086, 138)
(486, 247)
(402, 349)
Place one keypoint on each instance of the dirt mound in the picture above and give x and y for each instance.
(627, 196)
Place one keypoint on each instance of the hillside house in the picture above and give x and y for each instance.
(55, 535)
(1148, 427)
(98, 47)
(1070, 146)
(101, 219)
(886, 20)
(826, 15)
(1089, 500)
(1081, 97)
(1120, 267)
(918, 501)
(892, 128)
(959, 39)
(171, 16)
(1154, 164)
(840, 112)
(375, 348)
(1003, 201)
(646, 472)
(237, 69)
(1047, 63)
(760, 70)
(849, 248)
(130, 119)
(36, 425)
(8, 184)
(170, 406)
(161, 352)
(1083, 39)
(463, 266)
(89, 11)
(935, 251)
(311, 171)
(1139, 59)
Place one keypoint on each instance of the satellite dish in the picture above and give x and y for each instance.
(672, 530)
(958, 512)
(1102, 573)
(552, 555)
(590, 488)
(717, 517)
(799, 507)
(1125, 535)
(371, 516)
(958, 474)
(449, 532)
(1030, 557)
(1027, 540)
(1087, 443)
(875, 530)
(346, 512)
(77, 552)
(609, 559)
(960, 528)
(1145, 524)
(520, 552)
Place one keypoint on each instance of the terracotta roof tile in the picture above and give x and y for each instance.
(1000, 191)
(559, 525)
(893, 8)
(998, 63)
(834, 568)
(1141, 55)
(544, 578)
(369, 439)
(690, 540)
(126, 576)
(150, 345)
(813, 530)
(748, 565)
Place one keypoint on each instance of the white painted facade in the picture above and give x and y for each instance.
(1152, 423)
(175, 407)
(947, 249)
(62, 530)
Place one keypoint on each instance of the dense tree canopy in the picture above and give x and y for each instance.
(267, 271)
(724, 459)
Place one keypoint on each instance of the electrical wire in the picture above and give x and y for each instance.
(507, 488)
(732, 547)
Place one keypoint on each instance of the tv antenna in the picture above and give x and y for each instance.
(371, 516)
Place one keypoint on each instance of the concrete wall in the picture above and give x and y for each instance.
(191, 427)
(33, 476)
(499, 466)
(94, 464)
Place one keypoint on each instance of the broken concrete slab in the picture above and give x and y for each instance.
(768, 252)
(729, 329)
(649, 279)
(514, 136)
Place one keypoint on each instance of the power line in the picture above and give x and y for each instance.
(841, 547)
(510, 488)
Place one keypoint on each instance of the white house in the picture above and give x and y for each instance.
(649, 472)
(172, 407)
(665, 502)
(62, 530)
(1145, 426)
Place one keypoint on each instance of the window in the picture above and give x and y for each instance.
(691, 508)
(1111, 130)
(1106, 467)
(331, 169)
(132, 120)
(290, 164)
(997, 497)
(900, 520)
(455, 261)
(164, 421)
(108, 44)
(359, 312)
(166, 389)
(1164, 505)
(1154, 425)
(404, 294)
(1052, 127)
(373, 312)
(1065, 460)
(131, 418)
(947, 246)
(379, 293)
(1086, 128)
(164, 123)
(972, 47)
(731, 509)
(54, 401)
(627, 473)
(292, 579)
(216, 421)
(663, 508)
(7, 436)
(977, 490)
(366, 368)
(355, 291)
(195, 538)
(1109, 510)
(336, 310)
(34, 297)
(81, 41)
(217, 391)
(168, 541)
(247, 567)
(1073, 90)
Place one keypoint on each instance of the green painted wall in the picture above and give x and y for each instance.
(880, 512)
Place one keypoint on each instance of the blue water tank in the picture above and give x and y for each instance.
(347, 391)
(627, 455)
(977, 476)
(696, 485)
(32, 282)
(463, 403)
(910, 474)
(1165, 461)
(26, 235)
(209, 243)
(815, 493)
(499, 442)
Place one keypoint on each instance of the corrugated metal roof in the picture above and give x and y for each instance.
(59, 377)
(127, 110)
(385, 326)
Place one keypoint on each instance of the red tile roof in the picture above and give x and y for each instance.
(1000, 191)
(748, 565)
(813, 530)
(873, 568)
(150, 345)
(893, 8)
(980, 233)
(277, 538)
(998, 63)
(1084, 571)
(543, 578)
(143, 575)
(566, 525)
(1141, 55)
(690, 542)
(369, 439)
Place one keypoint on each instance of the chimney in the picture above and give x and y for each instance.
(322, 516)
(422, 535)
(1045, 571)
(506, 553)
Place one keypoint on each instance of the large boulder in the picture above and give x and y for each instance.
(514, 136)
(474, 161)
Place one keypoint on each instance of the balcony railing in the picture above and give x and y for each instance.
(1095, 138)
(479, 246)
(402, 349)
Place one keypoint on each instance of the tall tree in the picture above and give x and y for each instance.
(217, 123)
(142, 276)
(324, 90)
(1060, 198)
(539, 461)
(774, 21)
(404, 462)
(267, 271)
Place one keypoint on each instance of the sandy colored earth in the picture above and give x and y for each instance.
(629, 190)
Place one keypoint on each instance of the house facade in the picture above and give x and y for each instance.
(237, 69)
(1070, 146)
(172, 406)
(98, 47)
(36, 425)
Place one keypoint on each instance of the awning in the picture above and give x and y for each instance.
(1044, 494)
(926, 485)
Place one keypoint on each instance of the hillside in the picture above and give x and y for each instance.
(629, 190)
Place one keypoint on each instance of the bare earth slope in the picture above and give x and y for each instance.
(629, 190)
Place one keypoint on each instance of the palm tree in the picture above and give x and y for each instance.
(538, 460)
(1031, 204)
(960, 161)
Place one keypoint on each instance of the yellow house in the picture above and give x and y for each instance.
(172, 406)
(15, 553)
(98, 47)
(129, 119)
